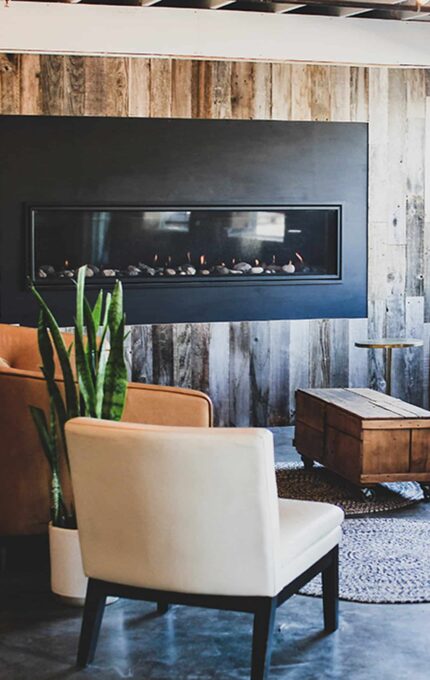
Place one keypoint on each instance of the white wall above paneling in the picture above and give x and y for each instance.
(57, 28)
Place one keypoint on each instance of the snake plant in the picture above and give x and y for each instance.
(96, 388)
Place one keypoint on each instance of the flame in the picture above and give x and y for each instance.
(66, 264)
(299, 257)
(202, 259)
(256, 262)
(233, 261)
(155, 258)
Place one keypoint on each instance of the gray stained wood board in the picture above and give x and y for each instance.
(253, 382)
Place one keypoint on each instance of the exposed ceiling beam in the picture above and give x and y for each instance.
(106, 30)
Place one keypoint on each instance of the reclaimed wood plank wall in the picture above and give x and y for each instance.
(251, 370)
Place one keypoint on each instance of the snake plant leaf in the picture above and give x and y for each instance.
(91, 346)
(105, 325)
(115, 383)
(83, 370)
(62, 353)
(48, 370)
(44, 433)
(116, 312)
(97, 310)
(80, 293)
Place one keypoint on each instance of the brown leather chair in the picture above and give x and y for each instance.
(24, 475)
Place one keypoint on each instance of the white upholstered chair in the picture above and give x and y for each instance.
(191, 516)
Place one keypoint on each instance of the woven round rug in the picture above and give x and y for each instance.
(382, 560)
(319, 484)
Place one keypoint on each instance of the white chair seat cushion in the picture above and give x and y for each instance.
(308, 530)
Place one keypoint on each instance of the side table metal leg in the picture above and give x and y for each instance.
(388, 369)
(308, 463)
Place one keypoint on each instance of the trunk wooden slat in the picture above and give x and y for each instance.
(363, 435)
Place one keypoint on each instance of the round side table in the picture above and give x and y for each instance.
(389, 344)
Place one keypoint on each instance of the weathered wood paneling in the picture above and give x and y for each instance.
(251, 370)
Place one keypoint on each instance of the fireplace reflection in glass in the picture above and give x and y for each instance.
(141, 244)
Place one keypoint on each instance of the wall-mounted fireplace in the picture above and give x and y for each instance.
(202, 220)
(184, 245)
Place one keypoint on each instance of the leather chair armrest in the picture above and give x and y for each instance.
(159, 405)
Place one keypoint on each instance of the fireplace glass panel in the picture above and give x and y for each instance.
(137, 244)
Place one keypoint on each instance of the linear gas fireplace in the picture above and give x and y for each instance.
(170, 246)
(201, 220)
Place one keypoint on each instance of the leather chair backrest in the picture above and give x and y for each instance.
(19, 348)
(180, 509)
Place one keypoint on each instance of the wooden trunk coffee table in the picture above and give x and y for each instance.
(364, 436)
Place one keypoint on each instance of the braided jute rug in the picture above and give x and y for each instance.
(382, 559)
(319, 484)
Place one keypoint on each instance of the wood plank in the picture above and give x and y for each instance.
(309, 442)
(396, 204)
(414, 356)
(385, 451)
(310, 410)
(219, 374)
(420, 451)
(139, 77)
(116, 86)
(142, 354)
(279, 374)
(201, 87)
(319, 353)
(358, 358)
(260, 373)
(262, 91)
(355, 403)
(221, 90)
(95, 87)
(426, 253)
(340, 93)
(299, 357)
(161, 88)
(359, 97)
(242, 90)
(281, 91)
(162, 343)
(395, 405)
(181, 88)
(378, 155)
(200, 338)
(10, 94)
(415, 186)
(74, 86)
(320, 95)
(30, 95)
(182, 355)
(239, 374)
(301, 92)
(338, 351)
(343, 454)
(395, 477)
(52, 83)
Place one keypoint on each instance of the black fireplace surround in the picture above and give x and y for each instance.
(201, 220)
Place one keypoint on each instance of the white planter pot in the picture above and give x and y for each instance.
(67, 573)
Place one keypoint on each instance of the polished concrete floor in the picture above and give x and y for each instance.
(38, 636)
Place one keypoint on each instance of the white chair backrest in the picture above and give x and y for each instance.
(182, 509)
